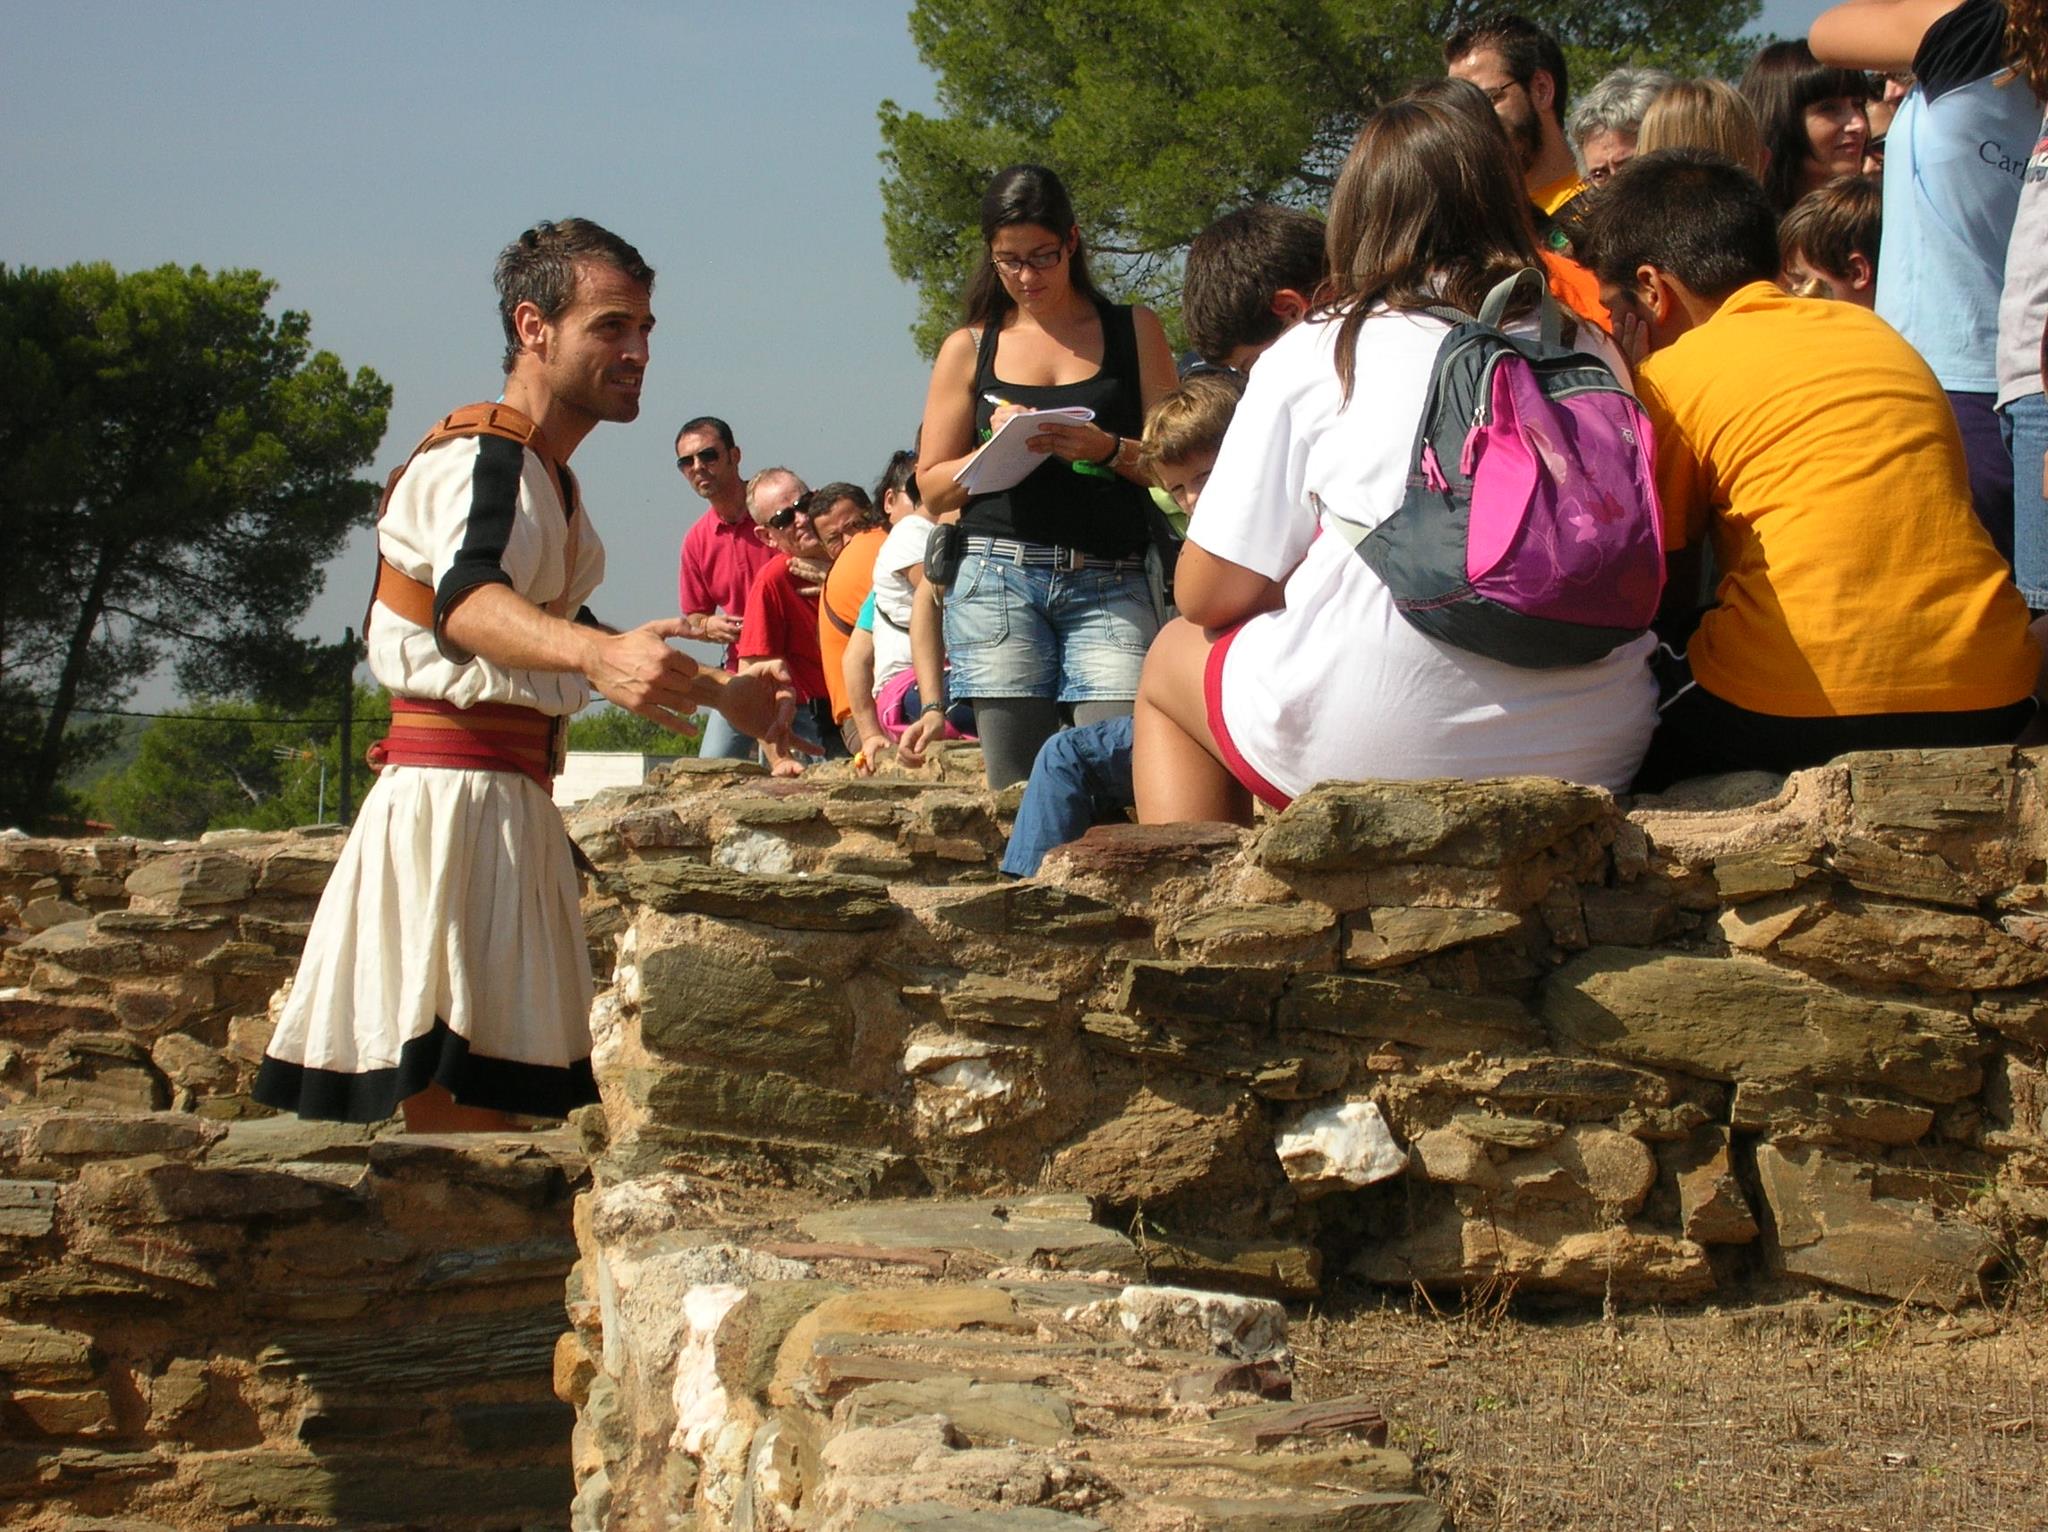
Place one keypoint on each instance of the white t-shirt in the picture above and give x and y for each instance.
(1338, 685)
(902, 550)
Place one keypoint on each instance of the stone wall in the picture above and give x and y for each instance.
(211, 1317)
(1492, 1036)
(1445, 1033)
(209, 1324)
(909, 1182)
(138, 975)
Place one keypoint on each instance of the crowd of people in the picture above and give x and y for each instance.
(1827, 285)
(1690, 428)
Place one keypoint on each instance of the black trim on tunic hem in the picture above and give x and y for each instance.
(436, 1057)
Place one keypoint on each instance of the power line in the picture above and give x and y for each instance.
(114, 712)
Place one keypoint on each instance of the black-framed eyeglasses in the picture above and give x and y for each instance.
(1037, 260)
(1497, 93)
(702, 459)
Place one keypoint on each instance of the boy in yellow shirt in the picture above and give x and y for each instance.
(1861, 606)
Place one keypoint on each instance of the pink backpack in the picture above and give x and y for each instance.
(1530, 532)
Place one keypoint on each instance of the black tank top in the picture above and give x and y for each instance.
(1101, 514)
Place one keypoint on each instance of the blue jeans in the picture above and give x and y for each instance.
(722, 741)
(1017, 631)
(2024, 424)
(1081, 777)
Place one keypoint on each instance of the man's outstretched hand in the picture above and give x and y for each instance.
(640, 672)
(761, 701)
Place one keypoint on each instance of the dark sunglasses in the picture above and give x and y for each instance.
(702, 459)
(786, 517)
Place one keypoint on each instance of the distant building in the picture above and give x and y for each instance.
(585, 771)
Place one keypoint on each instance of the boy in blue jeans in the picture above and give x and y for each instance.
(1082, 776)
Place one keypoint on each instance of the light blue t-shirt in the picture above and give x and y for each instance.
(1954, 156)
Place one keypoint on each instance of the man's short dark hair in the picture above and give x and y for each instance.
(706, 423)
(825, 496)
(1688, 212)
(539, 267)
(1234, 268)
(1523, 47)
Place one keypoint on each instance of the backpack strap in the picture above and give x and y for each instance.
(1550, 326)
(414, 599)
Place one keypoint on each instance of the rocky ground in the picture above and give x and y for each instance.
(1810, 1415)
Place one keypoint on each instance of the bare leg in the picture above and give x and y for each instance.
(1179, 771)
(433, 1110)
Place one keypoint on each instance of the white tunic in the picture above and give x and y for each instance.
(455, 899)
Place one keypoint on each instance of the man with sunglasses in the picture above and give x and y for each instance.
(781, 627)
(721, 555)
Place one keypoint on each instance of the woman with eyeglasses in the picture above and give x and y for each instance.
(1049, 616)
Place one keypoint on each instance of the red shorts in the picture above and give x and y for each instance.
(1212, 703)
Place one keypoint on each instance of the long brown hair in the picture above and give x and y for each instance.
(2026, 42)
(1023, 194)
(1428, 210)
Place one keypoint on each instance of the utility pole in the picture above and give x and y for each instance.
(348, 718)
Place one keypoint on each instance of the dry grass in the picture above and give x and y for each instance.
(1813, 1415)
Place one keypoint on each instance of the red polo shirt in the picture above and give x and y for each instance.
(719, 561)
(782, 623)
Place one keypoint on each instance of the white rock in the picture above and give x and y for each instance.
(640, 1208)
(1335, 1147)
(1247, 1328)
(607, 1025)
(701, 1404)
(755, 851)
(642, 1294)
(933, 1051)
(971, 1095)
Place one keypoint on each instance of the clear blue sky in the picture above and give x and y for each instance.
(372, 157)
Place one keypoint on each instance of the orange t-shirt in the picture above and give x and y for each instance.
(1576, 288)
(1818, 450)
(846, 587)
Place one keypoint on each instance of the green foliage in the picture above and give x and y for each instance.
(1161, 114)
(175, 466)
(613, 728)
(223, 763)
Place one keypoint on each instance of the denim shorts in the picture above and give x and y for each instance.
(1017, 631)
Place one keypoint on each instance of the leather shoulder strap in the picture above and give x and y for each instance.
(414, 599)
(489, 420)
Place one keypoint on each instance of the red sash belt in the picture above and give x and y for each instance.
(492, 736)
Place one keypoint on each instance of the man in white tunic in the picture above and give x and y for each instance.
(446, 969)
